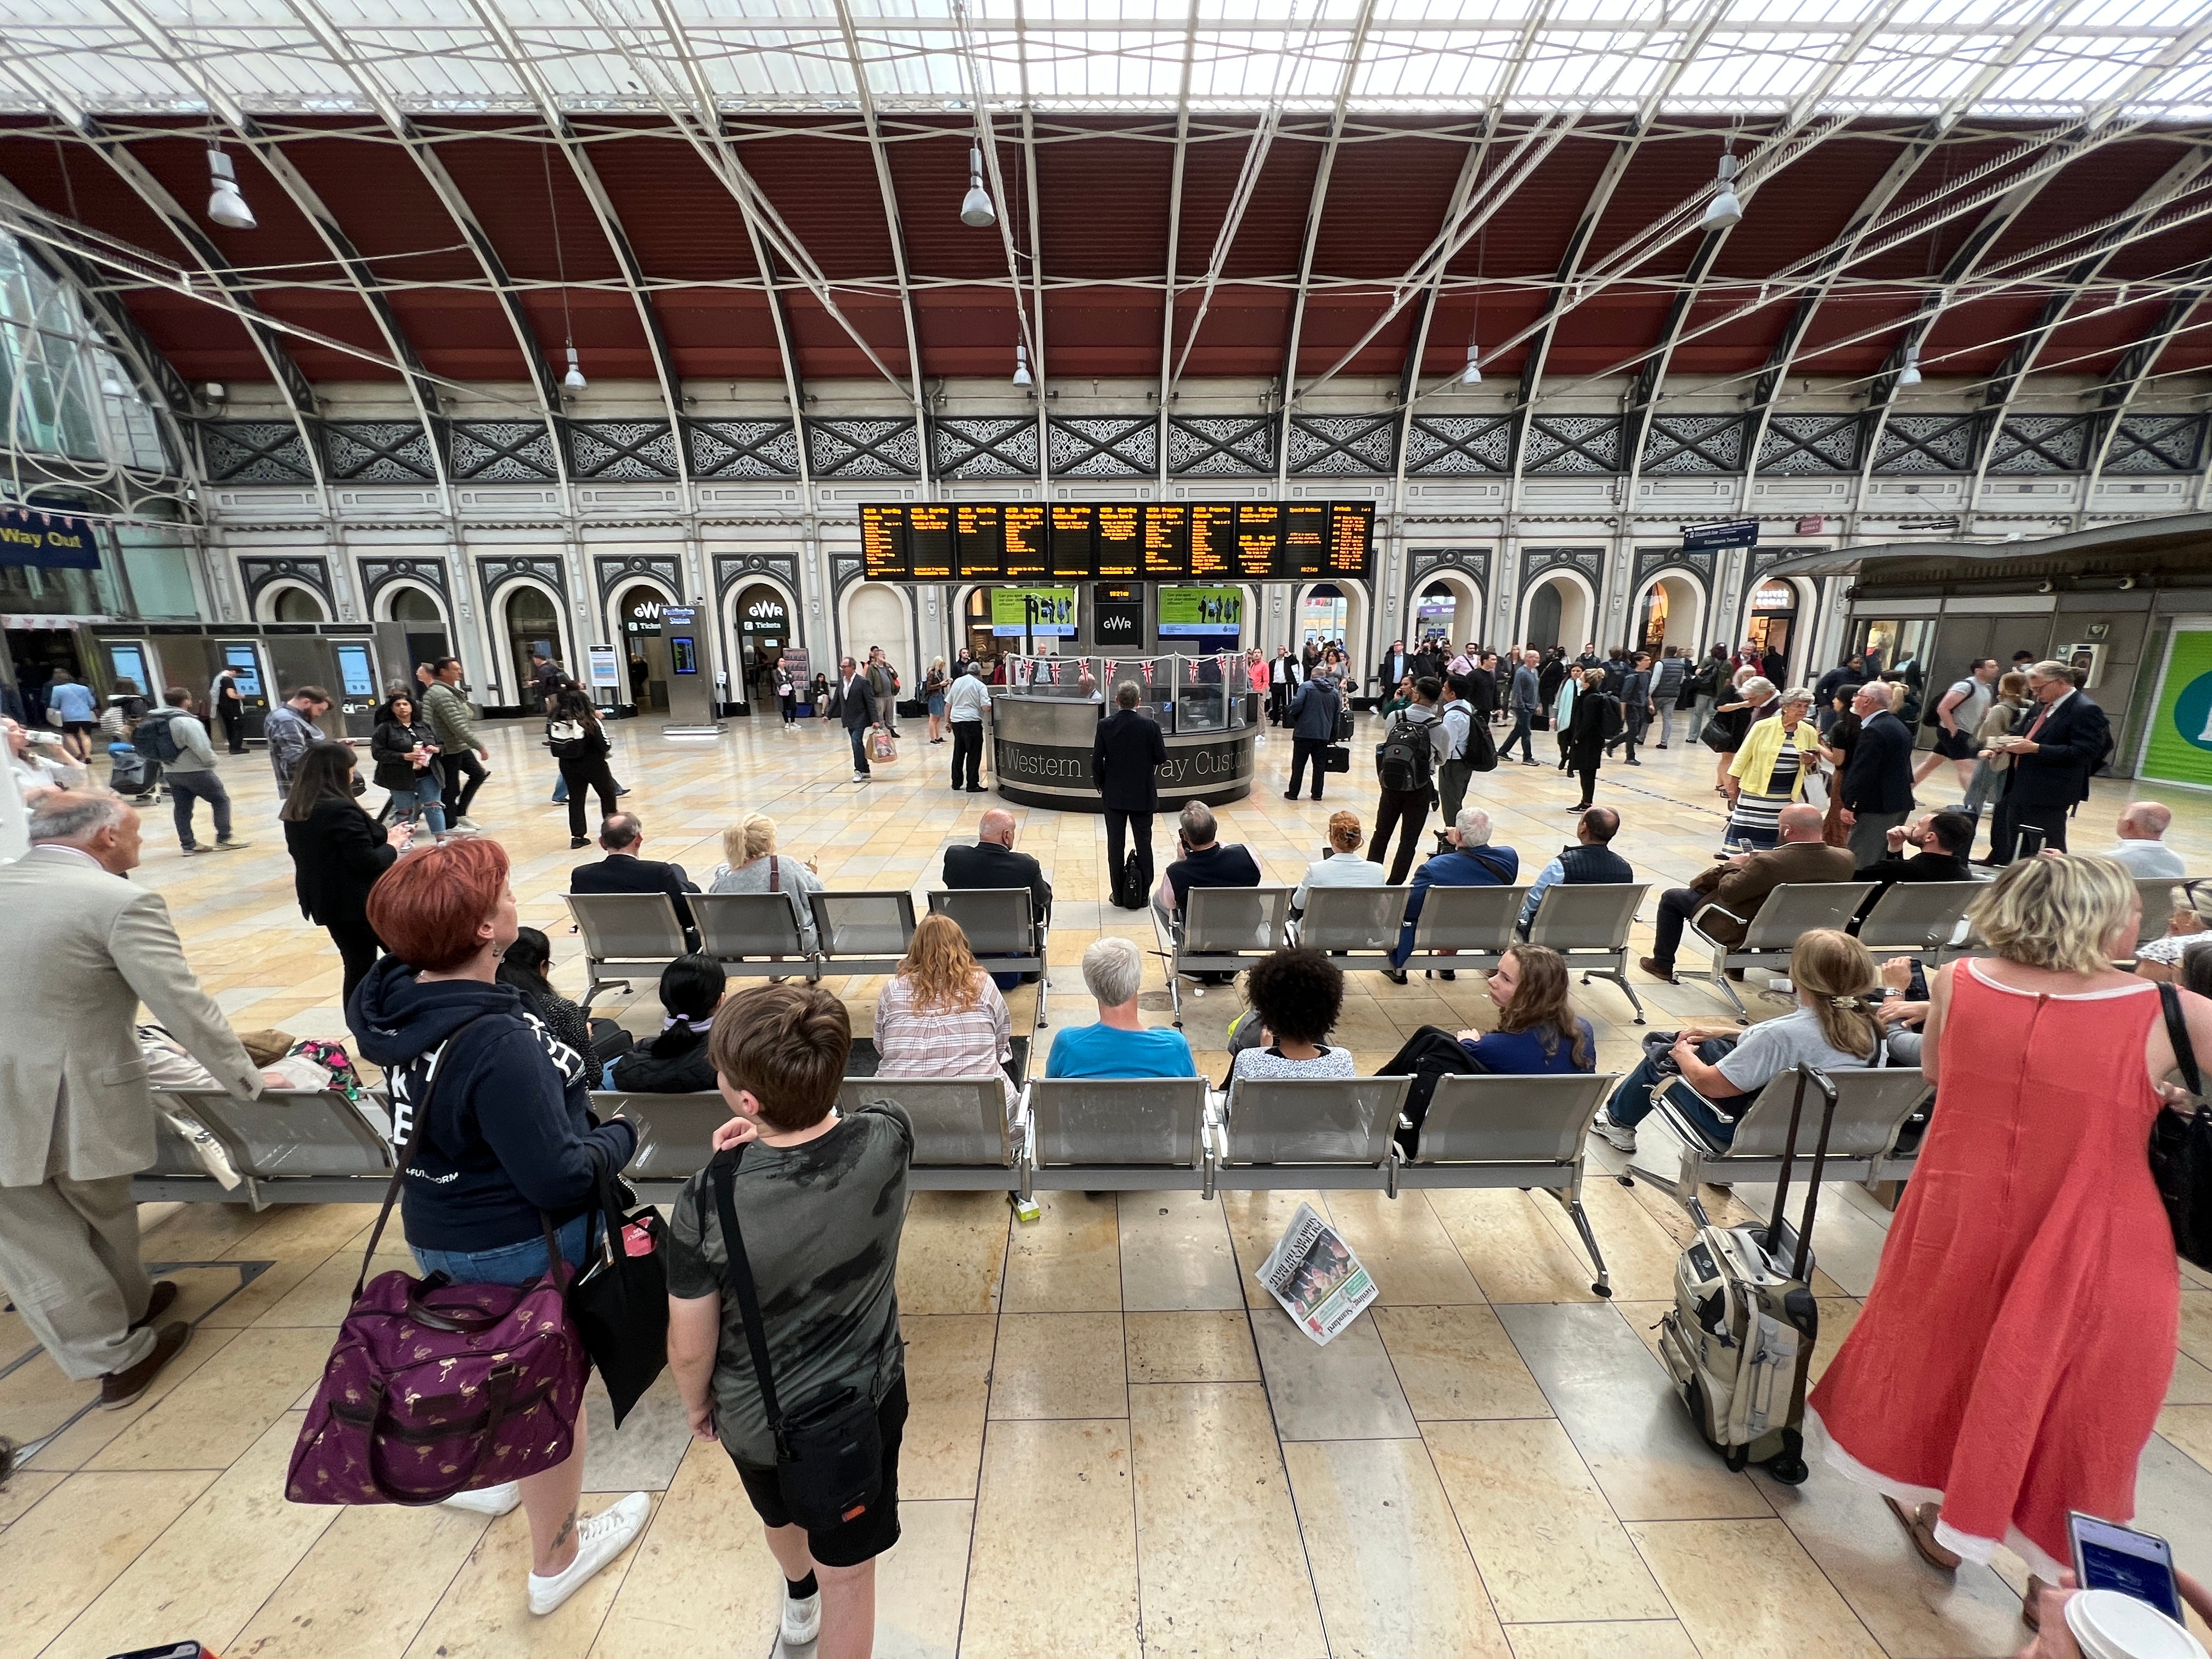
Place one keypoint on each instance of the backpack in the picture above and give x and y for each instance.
(566, 739)
(1610, 721)
(1401, 759)
(1481, 751)
(155, 740)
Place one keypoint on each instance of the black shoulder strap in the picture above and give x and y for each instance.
(2176, 1032)
(724, 1171)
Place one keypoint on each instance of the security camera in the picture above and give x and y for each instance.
(2126, 582)
(2047, 586)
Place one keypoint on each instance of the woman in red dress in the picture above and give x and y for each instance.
(2010, 1363)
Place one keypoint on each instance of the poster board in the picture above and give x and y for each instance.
(2178, 748)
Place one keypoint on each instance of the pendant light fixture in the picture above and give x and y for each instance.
(1724, 211)
(975, 207)
(1471, 374)
(574, 381)
(1910, 375)
(1022, 365)
(226, 206)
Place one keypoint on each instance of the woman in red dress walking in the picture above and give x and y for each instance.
(2011, 1361)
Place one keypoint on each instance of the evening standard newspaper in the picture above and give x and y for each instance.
(1315, 1275)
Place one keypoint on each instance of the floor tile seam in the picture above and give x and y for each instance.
(1283, 1462)
(1777, 1516)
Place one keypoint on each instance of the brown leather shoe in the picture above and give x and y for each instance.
(1657, 968)
(1919, 1524)
(164, 1296)
(119, 1388)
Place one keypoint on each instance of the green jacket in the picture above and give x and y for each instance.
(449, 717)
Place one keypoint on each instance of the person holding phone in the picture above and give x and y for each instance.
(2010, 1363)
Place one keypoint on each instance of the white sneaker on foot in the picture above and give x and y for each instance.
(488, 1500)
(598, 1540)
(1607, 1130)
(802, 1619)
(469, 824)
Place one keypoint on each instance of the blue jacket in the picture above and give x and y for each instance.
(1314, 710)
(1463, 866)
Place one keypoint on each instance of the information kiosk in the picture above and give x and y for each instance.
(1046, 717)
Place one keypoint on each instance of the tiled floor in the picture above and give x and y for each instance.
(1119, 1445)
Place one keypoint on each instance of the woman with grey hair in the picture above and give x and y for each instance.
(1121, 1044)
(2011, 1361)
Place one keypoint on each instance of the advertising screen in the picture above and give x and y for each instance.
(1188, 612)
(1040, 613)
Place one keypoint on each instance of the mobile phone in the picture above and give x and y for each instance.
(2116, 1558)
(2031, 841)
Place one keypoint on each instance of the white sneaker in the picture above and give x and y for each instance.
(860, 777)
(1607, 1130)
(488, 1500)
(469, 824)
(598, 1540)
(802, 1620)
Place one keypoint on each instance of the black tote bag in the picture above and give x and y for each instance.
(2181, 1149)
(620, 1302)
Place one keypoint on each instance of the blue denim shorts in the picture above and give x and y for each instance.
(510, 1264)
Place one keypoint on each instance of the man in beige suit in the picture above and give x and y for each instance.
(83, 949)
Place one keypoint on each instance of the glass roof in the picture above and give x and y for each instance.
(2142, 59)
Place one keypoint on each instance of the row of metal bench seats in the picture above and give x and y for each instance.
(636, 935)
(1096, 1136)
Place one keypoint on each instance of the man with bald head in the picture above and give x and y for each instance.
(993, 862)
(1741, 883)
(2142, 845)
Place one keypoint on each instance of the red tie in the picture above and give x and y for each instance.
(2040, 719)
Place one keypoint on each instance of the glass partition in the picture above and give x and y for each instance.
(1208, 693)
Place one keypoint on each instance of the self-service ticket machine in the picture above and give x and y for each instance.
(688, 639)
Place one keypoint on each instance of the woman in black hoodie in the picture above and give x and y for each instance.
(579, 743)
(507, 1144)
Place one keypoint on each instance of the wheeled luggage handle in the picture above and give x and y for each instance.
(1820, 1078)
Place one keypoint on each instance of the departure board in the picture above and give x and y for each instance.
(929, 543)
(1024, 528)
(882, 542)
(1073, 552)
(1118, 541)
(1259, 538)
(1212, 538)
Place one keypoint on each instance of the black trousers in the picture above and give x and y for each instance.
(1584, 766)
(2010, 820)
(1406, 807)
(1277, 697)
(464, 764)
(1302, 751)
(234, 728)
(1118, 826)
(1676, 906)
(967, 754)
(582, 774)
(358, 949)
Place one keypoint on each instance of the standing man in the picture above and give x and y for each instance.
(76, 1118)
(1456, 711)
(1396, 666)
(1958, 717)
(1527, 698)
(1406, 764)
(965, 699)
(230, 708)
(2054, 748)
(1126, 757)
(1313, 728)
(291, 731)
(1876, 788)
(856, 705)
(458, 747)
(884, 681)
(189, 766)
(1669, 675)
(73, 701)
(1635, 705)
(1279, 684)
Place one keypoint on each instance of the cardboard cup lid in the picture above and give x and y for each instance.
(2107, 1624)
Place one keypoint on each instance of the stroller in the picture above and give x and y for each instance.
(131, 774)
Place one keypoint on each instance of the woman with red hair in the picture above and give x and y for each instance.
(506, 1142)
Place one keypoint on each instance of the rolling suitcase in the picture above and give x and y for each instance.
(1739, 1339)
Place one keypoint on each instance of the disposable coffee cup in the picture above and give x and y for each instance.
(2107, 1624)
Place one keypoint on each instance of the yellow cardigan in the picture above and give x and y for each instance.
(1754, 766)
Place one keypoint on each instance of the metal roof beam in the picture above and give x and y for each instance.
(1165, 396)
(2126, 379)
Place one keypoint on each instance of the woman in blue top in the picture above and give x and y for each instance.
(1537, 1029)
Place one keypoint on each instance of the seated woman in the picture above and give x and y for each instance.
(1342, 866)
(941, 1016)
(751, 865)
(1538, 1030)
(527, 965)
(1298, 995)
(1121, 1045)
(675, 1062)
(1833, 1027)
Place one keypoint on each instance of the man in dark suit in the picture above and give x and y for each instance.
(1741, 883)
(622, 870)
(1877, 785)
(1125, 761)
(993, 862)
(1396, 664)
(2055, 744)
(856, 701)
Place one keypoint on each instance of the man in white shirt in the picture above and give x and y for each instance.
(1453, 775)
(1958, 717)
(2142, 845)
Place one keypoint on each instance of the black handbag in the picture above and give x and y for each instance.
(620, 1301)
(2181, 1148)
(1337, 758)
(829, 1453)
(1721, 736)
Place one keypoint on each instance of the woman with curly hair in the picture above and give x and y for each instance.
(941, 1016)
(1298, 995)
(1538, 1030)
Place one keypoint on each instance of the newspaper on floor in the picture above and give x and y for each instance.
(1313, 1274)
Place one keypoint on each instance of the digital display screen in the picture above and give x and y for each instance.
(355, 678)
(243, 663)
(683, 653)
(1115, 541)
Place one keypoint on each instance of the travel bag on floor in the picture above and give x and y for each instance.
(1739, 1339)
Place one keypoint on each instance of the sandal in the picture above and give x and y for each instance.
(1919, 1526)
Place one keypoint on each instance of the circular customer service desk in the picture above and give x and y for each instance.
(1040, 756)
